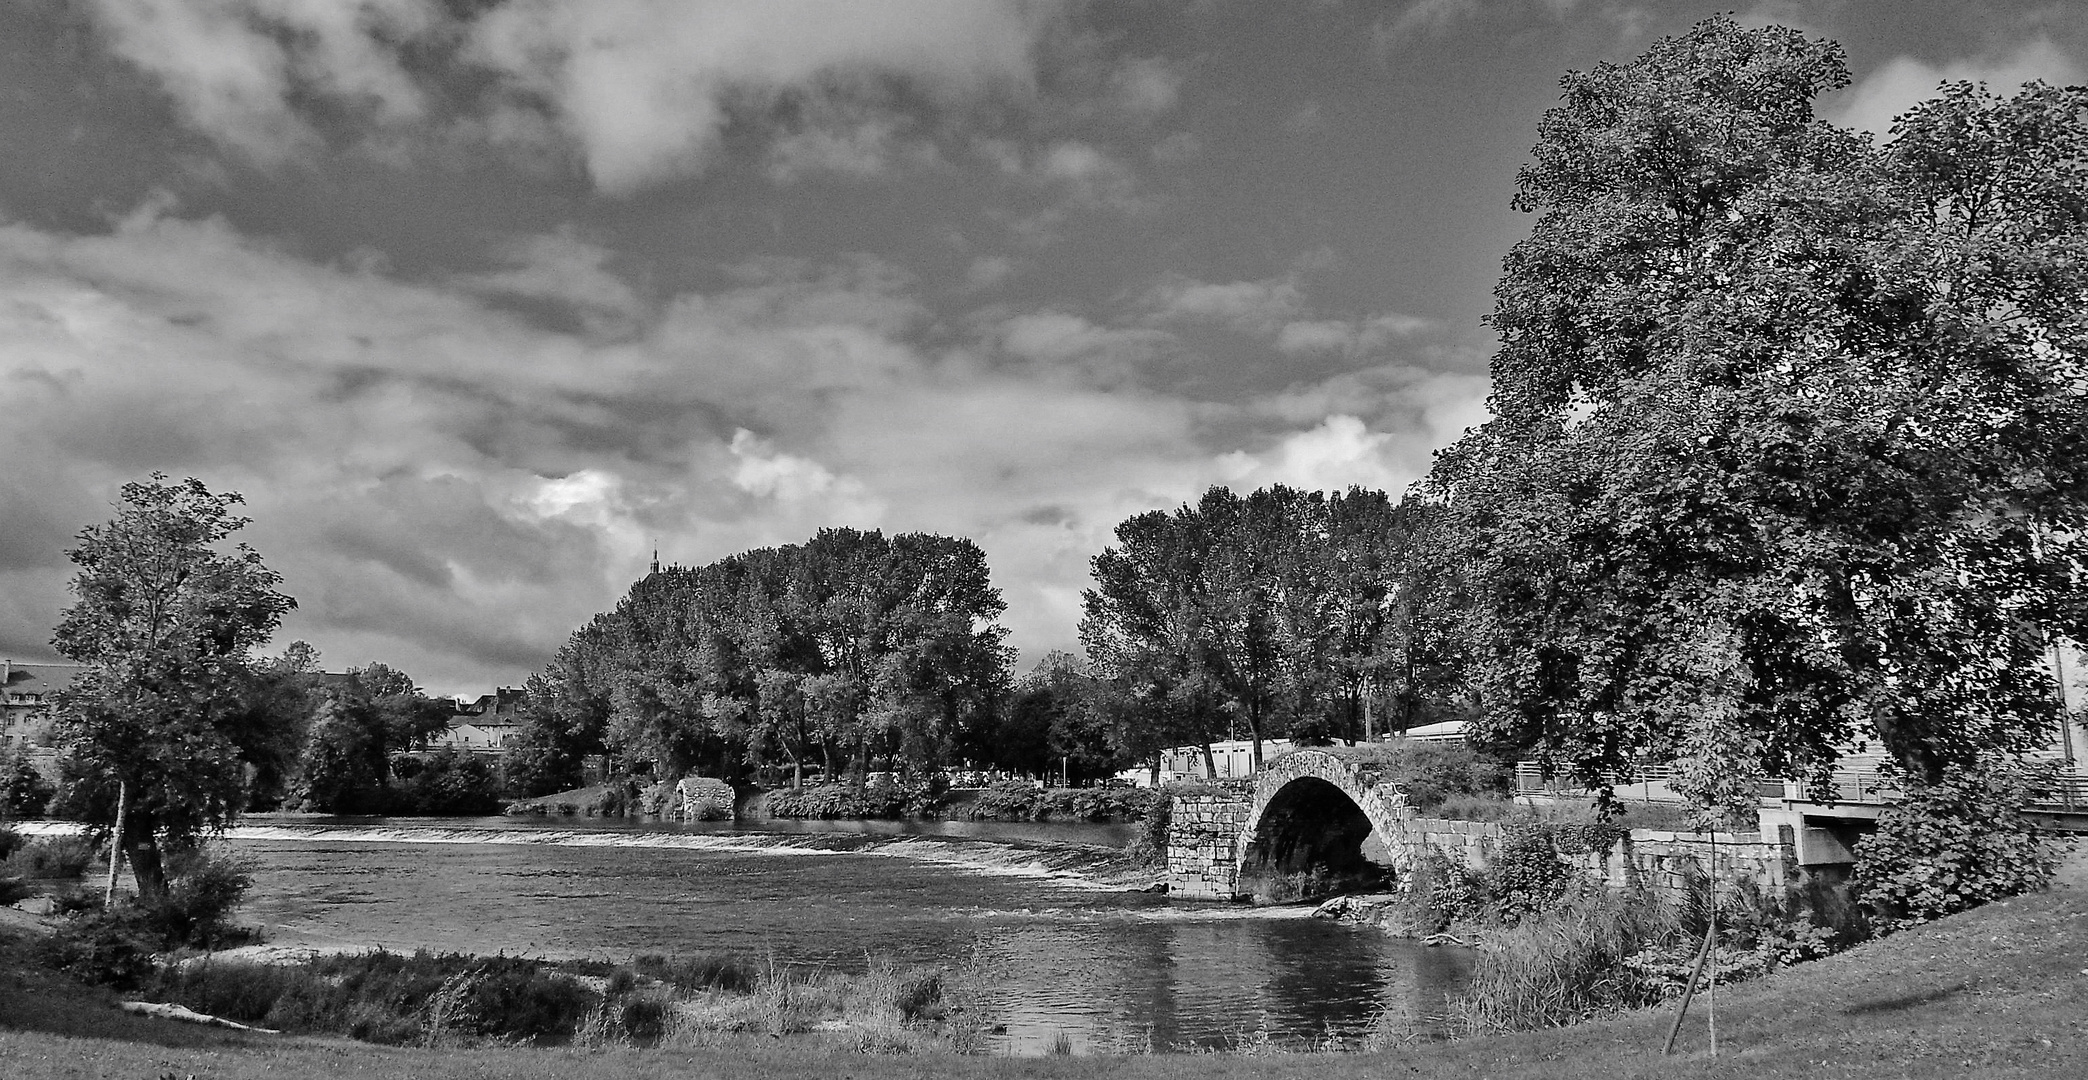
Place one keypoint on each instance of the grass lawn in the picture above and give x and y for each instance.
(1999, 992)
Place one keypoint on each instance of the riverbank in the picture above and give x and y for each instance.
(1997, 992)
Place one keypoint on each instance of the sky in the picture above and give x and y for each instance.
(479, 301)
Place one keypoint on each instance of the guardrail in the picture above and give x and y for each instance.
(2062, 791)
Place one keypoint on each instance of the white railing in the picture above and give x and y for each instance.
(2064, 791)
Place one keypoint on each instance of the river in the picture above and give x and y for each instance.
(1068, 955)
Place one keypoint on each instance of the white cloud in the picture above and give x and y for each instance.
(641, 85)
(1873, 102)
(1339, 452)
(1260, 307)
(232, 66)
(1348, 337)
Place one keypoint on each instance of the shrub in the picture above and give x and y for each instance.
(444, 784)
(1527, 874)
(24, 793)
(14, 890)
(112, 947)
(1440, 892)
(1149, 844)
(703, 972)
(10, 842)
(1433, 772)
(1952, 846)
(52, 857)
(203, 888)
(880, 798)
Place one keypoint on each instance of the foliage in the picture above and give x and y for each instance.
(164, 623)
(10, 841)
(1440, 892)
(1565, 963)
(850, 651)
(111, 947)
(1950, 846)
(1283, 612)
(24, 793)
(1786, 448)
(52, 857)
(1432, 773)
(447, 783)
(1527, 875)
(362, 725)
(204, 887)
(877, 799)
(1018, 801)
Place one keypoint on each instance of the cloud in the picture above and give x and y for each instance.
(1260, 307)
(565, 272)
(1146, 87)
(645, 87)
(1337, 453)
(452, 482)
(1346, 337)
(1903, 82)
(233, 66)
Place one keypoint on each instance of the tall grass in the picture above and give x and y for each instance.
(1568, 963)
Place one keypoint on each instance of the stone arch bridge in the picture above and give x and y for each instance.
(1326, 810)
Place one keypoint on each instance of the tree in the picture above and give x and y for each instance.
(164, 622)
(1789, 427)
(24, 793)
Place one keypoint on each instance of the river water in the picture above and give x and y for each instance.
(1066, 954)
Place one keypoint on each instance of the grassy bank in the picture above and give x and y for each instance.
(1997, 992)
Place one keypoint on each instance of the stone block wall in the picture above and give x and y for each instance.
(1653, 858)
(1203, 845)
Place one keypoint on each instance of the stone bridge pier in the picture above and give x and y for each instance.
(1314, 810)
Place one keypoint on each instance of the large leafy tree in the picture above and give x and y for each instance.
(852, 650)
(1788, 448)
(165, 619)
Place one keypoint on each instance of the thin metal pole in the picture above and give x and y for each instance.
(116, 842)
(1688, 991)
(1712, 1004)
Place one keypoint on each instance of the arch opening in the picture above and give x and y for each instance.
(1312, 841)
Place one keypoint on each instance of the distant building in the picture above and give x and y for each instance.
(27, 692)
(487, 725)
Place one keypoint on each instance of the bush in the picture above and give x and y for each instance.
(1952, 846)
(880, 798)
(51, 857)
(1527, 874)
(705, 972)
(10, 842)
(1017, 801)
(1440, 892)
(444, 784)
(203, 889)
(14, 890)
(112, 947)
(24, 793)
(1432, 773)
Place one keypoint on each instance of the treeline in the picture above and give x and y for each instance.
(850, 653)
(1280, 614)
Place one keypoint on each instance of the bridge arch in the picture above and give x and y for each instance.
(1325, 810)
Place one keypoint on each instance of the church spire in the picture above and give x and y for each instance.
(656, 557)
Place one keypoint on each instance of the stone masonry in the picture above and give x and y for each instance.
(1209, 836)
(1203, 845)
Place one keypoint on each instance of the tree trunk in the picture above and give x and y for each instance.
(147, 867)
(1210, 764)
